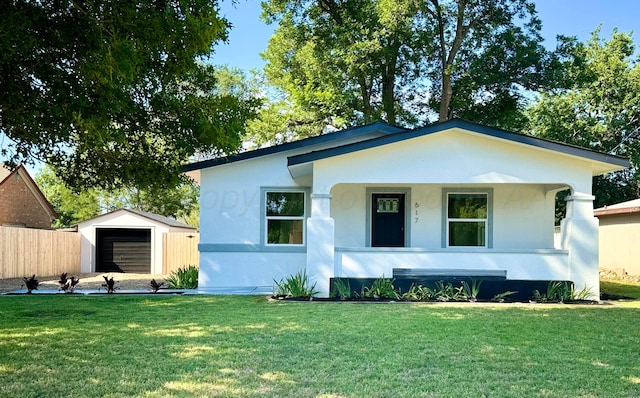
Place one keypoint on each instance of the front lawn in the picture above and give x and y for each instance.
(201, 346)
(620, 288)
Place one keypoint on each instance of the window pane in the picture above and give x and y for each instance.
(388, 205)
(284, 232)
(467, 233)
(466, 205)
(285, 204)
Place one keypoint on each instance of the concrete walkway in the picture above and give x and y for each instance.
(241, 290)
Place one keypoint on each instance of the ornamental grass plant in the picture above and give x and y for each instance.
(183, 278)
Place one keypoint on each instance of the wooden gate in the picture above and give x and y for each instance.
(179, 250)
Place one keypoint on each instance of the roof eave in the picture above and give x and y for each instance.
(380, 127)
(611, 212)
(607, 162)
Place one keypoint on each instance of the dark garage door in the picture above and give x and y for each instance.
(123, 250)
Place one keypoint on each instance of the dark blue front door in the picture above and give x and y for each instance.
(387, 220)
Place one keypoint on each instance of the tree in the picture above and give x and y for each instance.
(180, 202)
(342, 61)
(406, 61)
(114, 93)
(72, 207)
(599, 111)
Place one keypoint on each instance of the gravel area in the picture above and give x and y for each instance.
(91, 281)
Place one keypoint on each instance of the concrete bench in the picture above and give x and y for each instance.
(449, 273)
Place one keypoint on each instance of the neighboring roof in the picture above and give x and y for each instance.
(307, 142)
(461, 124)
(6, 174)
(632, 206)
(194, 175)
(151, 216)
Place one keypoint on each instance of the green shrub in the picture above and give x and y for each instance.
(447, 292)
(183, 278)
(501, 297)
(418, 293)
(295, 286)
(382, 288)
(560, 292)
(470, 289)
(583, 294)
(340, 289)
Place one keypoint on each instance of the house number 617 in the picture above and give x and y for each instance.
(416, 206)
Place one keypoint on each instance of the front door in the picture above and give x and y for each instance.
(387, 220)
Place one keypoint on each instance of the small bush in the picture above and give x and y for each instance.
(155, 286)
(295, 286)
(447, 292)
(471, 289)
(184, 278)
(501, 297)
(340, 289)
(382, 288)
(31, 283)
(560, 292)
(109, 284)
(68, 285)
(418, 293)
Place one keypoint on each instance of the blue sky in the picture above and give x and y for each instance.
(249, 36)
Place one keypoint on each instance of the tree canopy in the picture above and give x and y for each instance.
(407, 62)
(600, 110)
(180, 202)
(114, 93)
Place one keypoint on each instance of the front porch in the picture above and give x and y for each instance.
(532, 264)
(515, 235)
(517, 271)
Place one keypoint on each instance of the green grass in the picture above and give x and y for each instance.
(202, 346)
(619, 288)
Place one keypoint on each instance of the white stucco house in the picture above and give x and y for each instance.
(362, 201)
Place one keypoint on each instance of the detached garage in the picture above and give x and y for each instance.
(126, 241)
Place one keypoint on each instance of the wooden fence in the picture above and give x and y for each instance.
(179, 249)
(25, 252)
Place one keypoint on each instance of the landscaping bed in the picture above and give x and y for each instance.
(88, 281)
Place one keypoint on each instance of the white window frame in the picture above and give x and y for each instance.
(488, 232)
(265, 218)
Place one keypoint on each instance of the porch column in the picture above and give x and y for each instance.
(580, 237)
(320, 242)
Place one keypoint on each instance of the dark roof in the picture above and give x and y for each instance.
(321, 139)
(151, 216)
(462, 124)
(161, 219)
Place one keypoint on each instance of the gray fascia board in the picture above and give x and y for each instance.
(464, 125)
(321, 139)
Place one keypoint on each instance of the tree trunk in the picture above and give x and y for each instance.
(388, 84)
(447, 93)
(366, 98)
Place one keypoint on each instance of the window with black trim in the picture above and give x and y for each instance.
(285, 215)
(467, 219)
